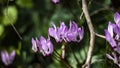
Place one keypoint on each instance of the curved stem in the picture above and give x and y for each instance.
(92, 34)
(11, 23)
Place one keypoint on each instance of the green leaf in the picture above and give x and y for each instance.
(10, 15)
(1, 30)
(24, 3)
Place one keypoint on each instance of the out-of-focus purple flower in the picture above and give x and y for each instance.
(7, 59)
(114, 58)
(58, 32)
(112, 34)
(55, 1)
(74, 34)
(117, 19)
(44, 46)
(53, 32)
(109, 35)
(62, 33)
(35, 45)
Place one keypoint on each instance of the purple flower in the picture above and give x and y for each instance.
(58, 32)
(44, 46)
(55, 1)
(109, 35)
(62, 33)
(114, 58)
(117, 19)
(112, 34)
(53, 32)
(62, 30)
(35, 45)
(7, 59)
(74, 34)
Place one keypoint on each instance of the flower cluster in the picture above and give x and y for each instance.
(112, 34)
(74, 33)
(7, 59)
(42, 45)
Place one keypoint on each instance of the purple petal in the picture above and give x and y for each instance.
(80, 33)
(43, 44)
(117, 49)
(54, 33)
(50, 46)
(117, 18)
(12, 55)
(109, 57)
(71, 37)
(115, 58)
(110, 39)
(34, 45)
(110, 28)
(51, 32)
(62, 30)
(4, 57)
(117, 30)
(46, 46)
(73, 26)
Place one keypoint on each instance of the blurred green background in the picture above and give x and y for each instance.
(32, 18)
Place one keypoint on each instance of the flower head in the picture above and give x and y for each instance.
(117, 19)
(112, 34)
(44, 46)
(74, 34)
(55, 1)
(114, 58)
(35, 45)
(53, 32)
(62, 30)
(7, 59)
(63, 33)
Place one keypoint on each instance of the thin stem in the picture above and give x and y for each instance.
(101, 36)
(92, 35)
(11, 23)
(81, 15)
